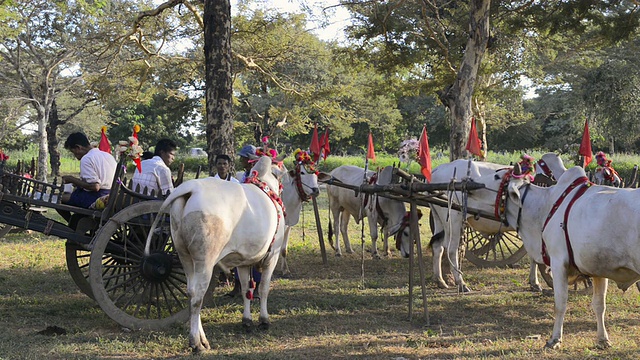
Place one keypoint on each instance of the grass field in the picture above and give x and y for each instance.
(321, 312)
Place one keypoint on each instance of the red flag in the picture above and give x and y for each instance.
(371, 154)
(314, 148)
(136, 130)
(324, 144)
(585, 145)
(104, 144)
(424, 155)
(474, 145)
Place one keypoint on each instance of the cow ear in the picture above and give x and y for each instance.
(323, 176)
(514, 193)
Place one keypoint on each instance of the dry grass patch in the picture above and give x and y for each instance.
(320, 312)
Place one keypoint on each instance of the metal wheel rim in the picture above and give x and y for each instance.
(78, 267)
(493, 250)
(117, 282)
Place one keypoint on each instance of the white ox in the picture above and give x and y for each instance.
(607, 176)
(448, 225)
(605, 245)
(298, 185)
(232, 225)
(344, 203)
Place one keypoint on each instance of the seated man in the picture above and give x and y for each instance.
(223, 162)
(156, 175)
(97, 169)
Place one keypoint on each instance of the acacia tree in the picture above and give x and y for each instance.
(443, 43)
(40, 49)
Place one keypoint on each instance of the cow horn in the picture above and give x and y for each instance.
(517, 169)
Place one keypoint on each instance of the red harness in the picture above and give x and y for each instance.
(545, 168)
(584, 184)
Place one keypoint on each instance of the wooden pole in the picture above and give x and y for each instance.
(415, 237)
(323, 251)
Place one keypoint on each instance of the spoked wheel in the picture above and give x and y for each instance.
(78, 266)
(138, 292)
(493, 250)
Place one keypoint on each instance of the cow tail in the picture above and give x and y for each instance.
(330, 233)
(151, 231)
(163, 209)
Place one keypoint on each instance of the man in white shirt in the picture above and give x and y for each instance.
(223, 163)
(97, 169)
(156, 175)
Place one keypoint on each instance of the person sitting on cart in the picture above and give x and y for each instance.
(223, 164)
(97, 169)
(156, 175)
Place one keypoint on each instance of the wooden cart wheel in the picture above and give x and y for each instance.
(78, 266)
(135, 291)
(493, 250)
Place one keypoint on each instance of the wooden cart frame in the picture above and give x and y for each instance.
(104, 248)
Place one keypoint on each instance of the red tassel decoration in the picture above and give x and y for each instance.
(252, 285)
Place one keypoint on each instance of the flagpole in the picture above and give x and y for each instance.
(362, 205)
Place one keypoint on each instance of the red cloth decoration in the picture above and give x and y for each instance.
(325, 150)
(424, 155)
(474, 146)
(104, 144)
(585, 145)
(371, 154)
(3, 157)
(314, 148)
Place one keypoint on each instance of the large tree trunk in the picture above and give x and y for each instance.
(457, 97)
(52, 130)
(218, 77)
(43, 147)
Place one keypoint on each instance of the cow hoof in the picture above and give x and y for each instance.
(247, 325)
(350, 251)
(464, 288)
(535, 288)
(377, 256)
(553, 344)
(603, 344)
(338, 254)
(264, 326)
(200, 348)
(441, 284)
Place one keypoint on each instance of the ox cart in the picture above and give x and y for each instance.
(104, 248)
(500, 249)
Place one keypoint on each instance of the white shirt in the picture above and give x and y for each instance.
(155, 176)
(98, 167)
(229, 178)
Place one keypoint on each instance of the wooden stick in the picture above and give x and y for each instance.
(323, 251)
(415, 237)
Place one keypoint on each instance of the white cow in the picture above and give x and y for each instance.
(344, 203)
(604, 245)
(232, 225)
(448, 225)
(607, 176)
(298, 185)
